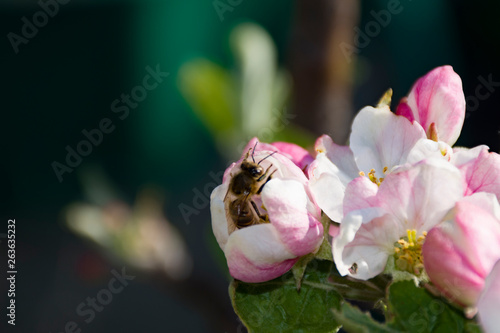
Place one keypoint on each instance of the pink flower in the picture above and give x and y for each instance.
(380, 141)
(264, 251)
(460, 252)
(437, 98)
(480, 169)
(380, 221)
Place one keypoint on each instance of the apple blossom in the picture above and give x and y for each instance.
(437, 102)
(379, 142)
(392, 219)
(460, 252)
(264, 251)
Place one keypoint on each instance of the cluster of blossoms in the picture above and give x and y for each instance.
(403, 201)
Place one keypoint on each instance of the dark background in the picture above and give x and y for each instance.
(64, 80)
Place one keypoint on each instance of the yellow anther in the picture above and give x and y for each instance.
(408, 252)
(385, 170)
(361, 173)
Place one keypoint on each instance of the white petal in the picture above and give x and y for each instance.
(329, 191)
(464, 155)
(341, 156)
(425, 148)
(420, 195)
(489, 301)
(382, 139)
(351, 223)
(218, 211)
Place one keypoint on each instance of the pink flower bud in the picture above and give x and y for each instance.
(286, 220)
(436, 98)
(460, 252)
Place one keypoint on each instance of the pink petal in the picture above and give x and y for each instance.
(437, 98)
(360, 194)
(460, 252)
(449, 270)
(403, 109)
(256, 254)
(297, 154)
(420, 195)
(287, 203)
(482, 174)
(489, 301)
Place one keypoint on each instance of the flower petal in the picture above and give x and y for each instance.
(360, 194)
(218, 212)
(286, 202)
(256, 254)
(482, 174)
(489, 301)
(341, 156)
(437, 98)
(462, 155)
(329, 193)
(382, 139)
(420, 195)
(297, 154)
(425, 148)
(327, 187)
(349, 227)
(460, 252)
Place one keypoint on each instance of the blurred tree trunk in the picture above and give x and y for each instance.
(322, 72)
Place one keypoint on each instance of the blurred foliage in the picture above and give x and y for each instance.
(236, 105)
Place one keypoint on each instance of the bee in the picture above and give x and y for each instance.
(241, 210)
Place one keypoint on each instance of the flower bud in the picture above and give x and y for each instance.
(436, 98)
(460, 252)
(284, 221)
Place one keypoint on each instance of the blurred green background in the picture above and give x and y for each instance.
(65, 78)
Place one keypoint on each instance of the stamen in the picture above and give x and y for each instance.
(373, 178)
(408, 252)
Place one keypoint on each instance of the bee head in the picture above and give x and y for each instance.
(254, 169)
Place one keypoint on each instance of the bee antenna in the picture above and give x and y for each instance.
(253, 151)
(274, 152)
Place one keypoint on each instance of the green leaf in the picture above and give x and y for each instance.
(211, 93)
(355, 321)
(325, 250)
(371, 290)
(277, 305)
(472, 327)
(299, 269)
(415, 310)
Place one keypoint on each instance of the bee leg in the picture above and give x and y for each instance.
(268, 179)
(262, 217)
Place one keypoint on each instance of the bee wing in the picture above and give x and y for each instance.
(243, 203)
(228, 199)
